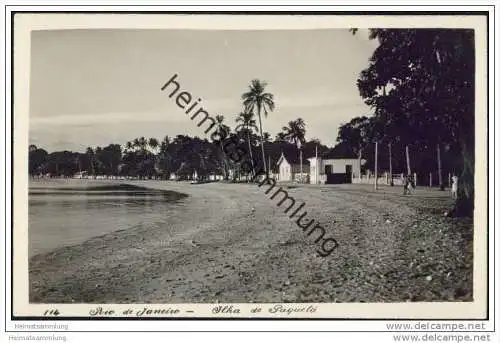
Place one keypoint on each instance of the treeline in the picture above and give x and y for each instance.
(183, 155)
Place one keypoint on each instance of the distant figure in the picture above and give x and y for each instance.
(412, 183)
(407, 185)
(454, 187)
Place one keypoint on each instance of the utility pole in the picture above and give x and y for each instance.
(408, 161)
(440, 172)
(390, 165)
(376, 165)
(299, 145)
(317, 165)
(301, 175)
(360, 152)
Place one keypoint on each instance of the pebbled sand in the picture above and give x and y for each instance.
(392, 248)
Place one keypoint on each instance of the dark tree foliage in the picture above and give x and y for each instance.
(420, 83)
(37, 159)
(183, 155)
(294, 132)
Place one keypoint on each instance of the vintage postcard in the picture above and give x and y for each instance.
(230, 165)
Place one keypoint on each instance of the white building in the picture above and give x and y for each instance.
(334, 168)
(81, 175)
(290, 169)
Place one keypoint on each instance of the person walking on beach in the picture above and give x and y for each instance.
(407, 185)
(454, 187)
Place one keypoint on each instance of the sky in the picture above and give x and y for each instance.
(95, 87)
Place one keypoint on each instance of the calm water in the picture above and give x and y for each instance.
(67, 212)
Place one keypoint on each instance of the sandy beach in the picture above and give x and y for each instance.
(231, 243)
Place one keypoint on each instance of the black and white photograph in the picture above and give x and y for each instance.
(288, 167)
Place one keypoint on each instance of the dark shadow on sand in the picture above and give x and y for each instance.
(109, 190)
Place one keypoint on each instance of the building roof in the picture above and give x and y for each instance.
(293, 158)
(340, 151)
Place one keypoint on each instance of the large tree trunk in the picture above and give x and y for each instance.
(250, 151)
(225, 164)
(464, 206)
(262, 145)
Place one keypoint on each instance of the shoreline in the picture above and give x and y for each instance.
(227, 245)
(70, 213)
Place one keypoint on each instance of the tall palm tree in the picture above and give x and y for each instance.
(90, 154)
(77, 162)
(136, 143)
(99, 165)
(221, 127)
(248, 123)
(223, 132)
(165, 143)
(165, 157)
(153, 144)
(257, 99)
(295, 133)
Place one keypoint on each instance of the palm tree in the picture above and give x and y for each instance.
(165, 157)
(266, 136)
(90, 154)
(77, 162)
(247, 123)
(221, 127)
(153, 143)
(257, 99)
(129, 145)
(295, 133)
(136, 144)
(280, 137)
(143, 144)
(99, 165)
(165, 143)
(223, 132)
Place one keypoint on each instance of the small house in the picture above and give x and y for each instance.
(335, 167)
(289, 168)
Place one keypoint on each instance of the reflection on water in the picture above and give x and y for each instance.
(69, 212)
